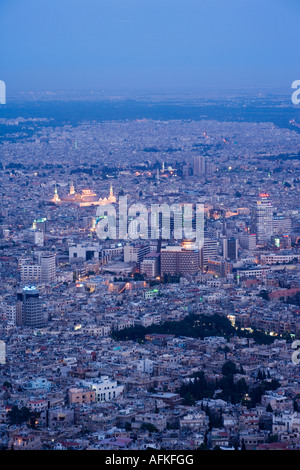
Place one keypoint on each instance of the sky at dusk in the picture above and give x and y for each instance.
(158, 45)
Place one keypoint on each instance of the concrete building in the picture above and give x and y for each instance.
(176, 260)
(48, 268)
(32, 307)
(105, 388)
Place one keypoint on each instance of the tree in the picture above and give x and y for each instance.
(127, 426)
(269, 408)
(229, 368)
(7, 384)
(149, 427)
(189, 399)
(203, 446)
(19, 416)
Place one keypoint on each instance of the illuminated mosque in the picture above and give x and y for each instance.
(86, 198)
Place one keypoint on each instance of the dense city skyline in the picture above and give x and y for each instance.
(149, 227)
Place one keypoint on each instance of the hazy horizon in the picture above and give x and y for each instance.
(153, 46)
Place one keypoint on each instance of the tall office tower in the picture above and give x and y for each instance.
(38, 238)
(20, 320)
(34, 236)
(186, 170)
(2, 352)
(198, 165)
(230, 248)
(32, 307)
(247, 240)
(10, 312)
(48, 269)
(281, 224)
(175, 260)
(210, 168)
(263, 218)
(224, 223)
(208, 251)
(40, 224)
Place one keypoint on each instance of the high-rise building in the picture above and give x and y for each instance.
(247, 240)
(230, 248)
(2, 352)
(281, 224)
(10, 313)
(48, 267)
(40, 224)
(263, 218)
(32, 307)
(34, 236)
(30, 273)
(208, 251)
(176, 260)
(198, 165)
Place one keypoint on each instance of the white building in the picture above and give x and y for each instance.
(150, 267)
(48, 268)
(263, 218)
(106, 389)
(145, 366)
(273, 258)
(31, 273)
(10, 313)
(2, 352)
(84, 252)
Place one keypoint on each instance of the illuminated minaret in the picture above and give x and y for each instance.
(111, 198)
(93, 227)
(55, 198)
(72, 189)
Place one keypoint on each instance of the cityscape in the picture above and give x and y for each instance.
(149, 271)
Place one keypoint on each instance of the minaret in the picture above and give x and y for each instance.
(72, 189)
(93, 227)
(111, 198)
(157, 174)
(55, 198)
